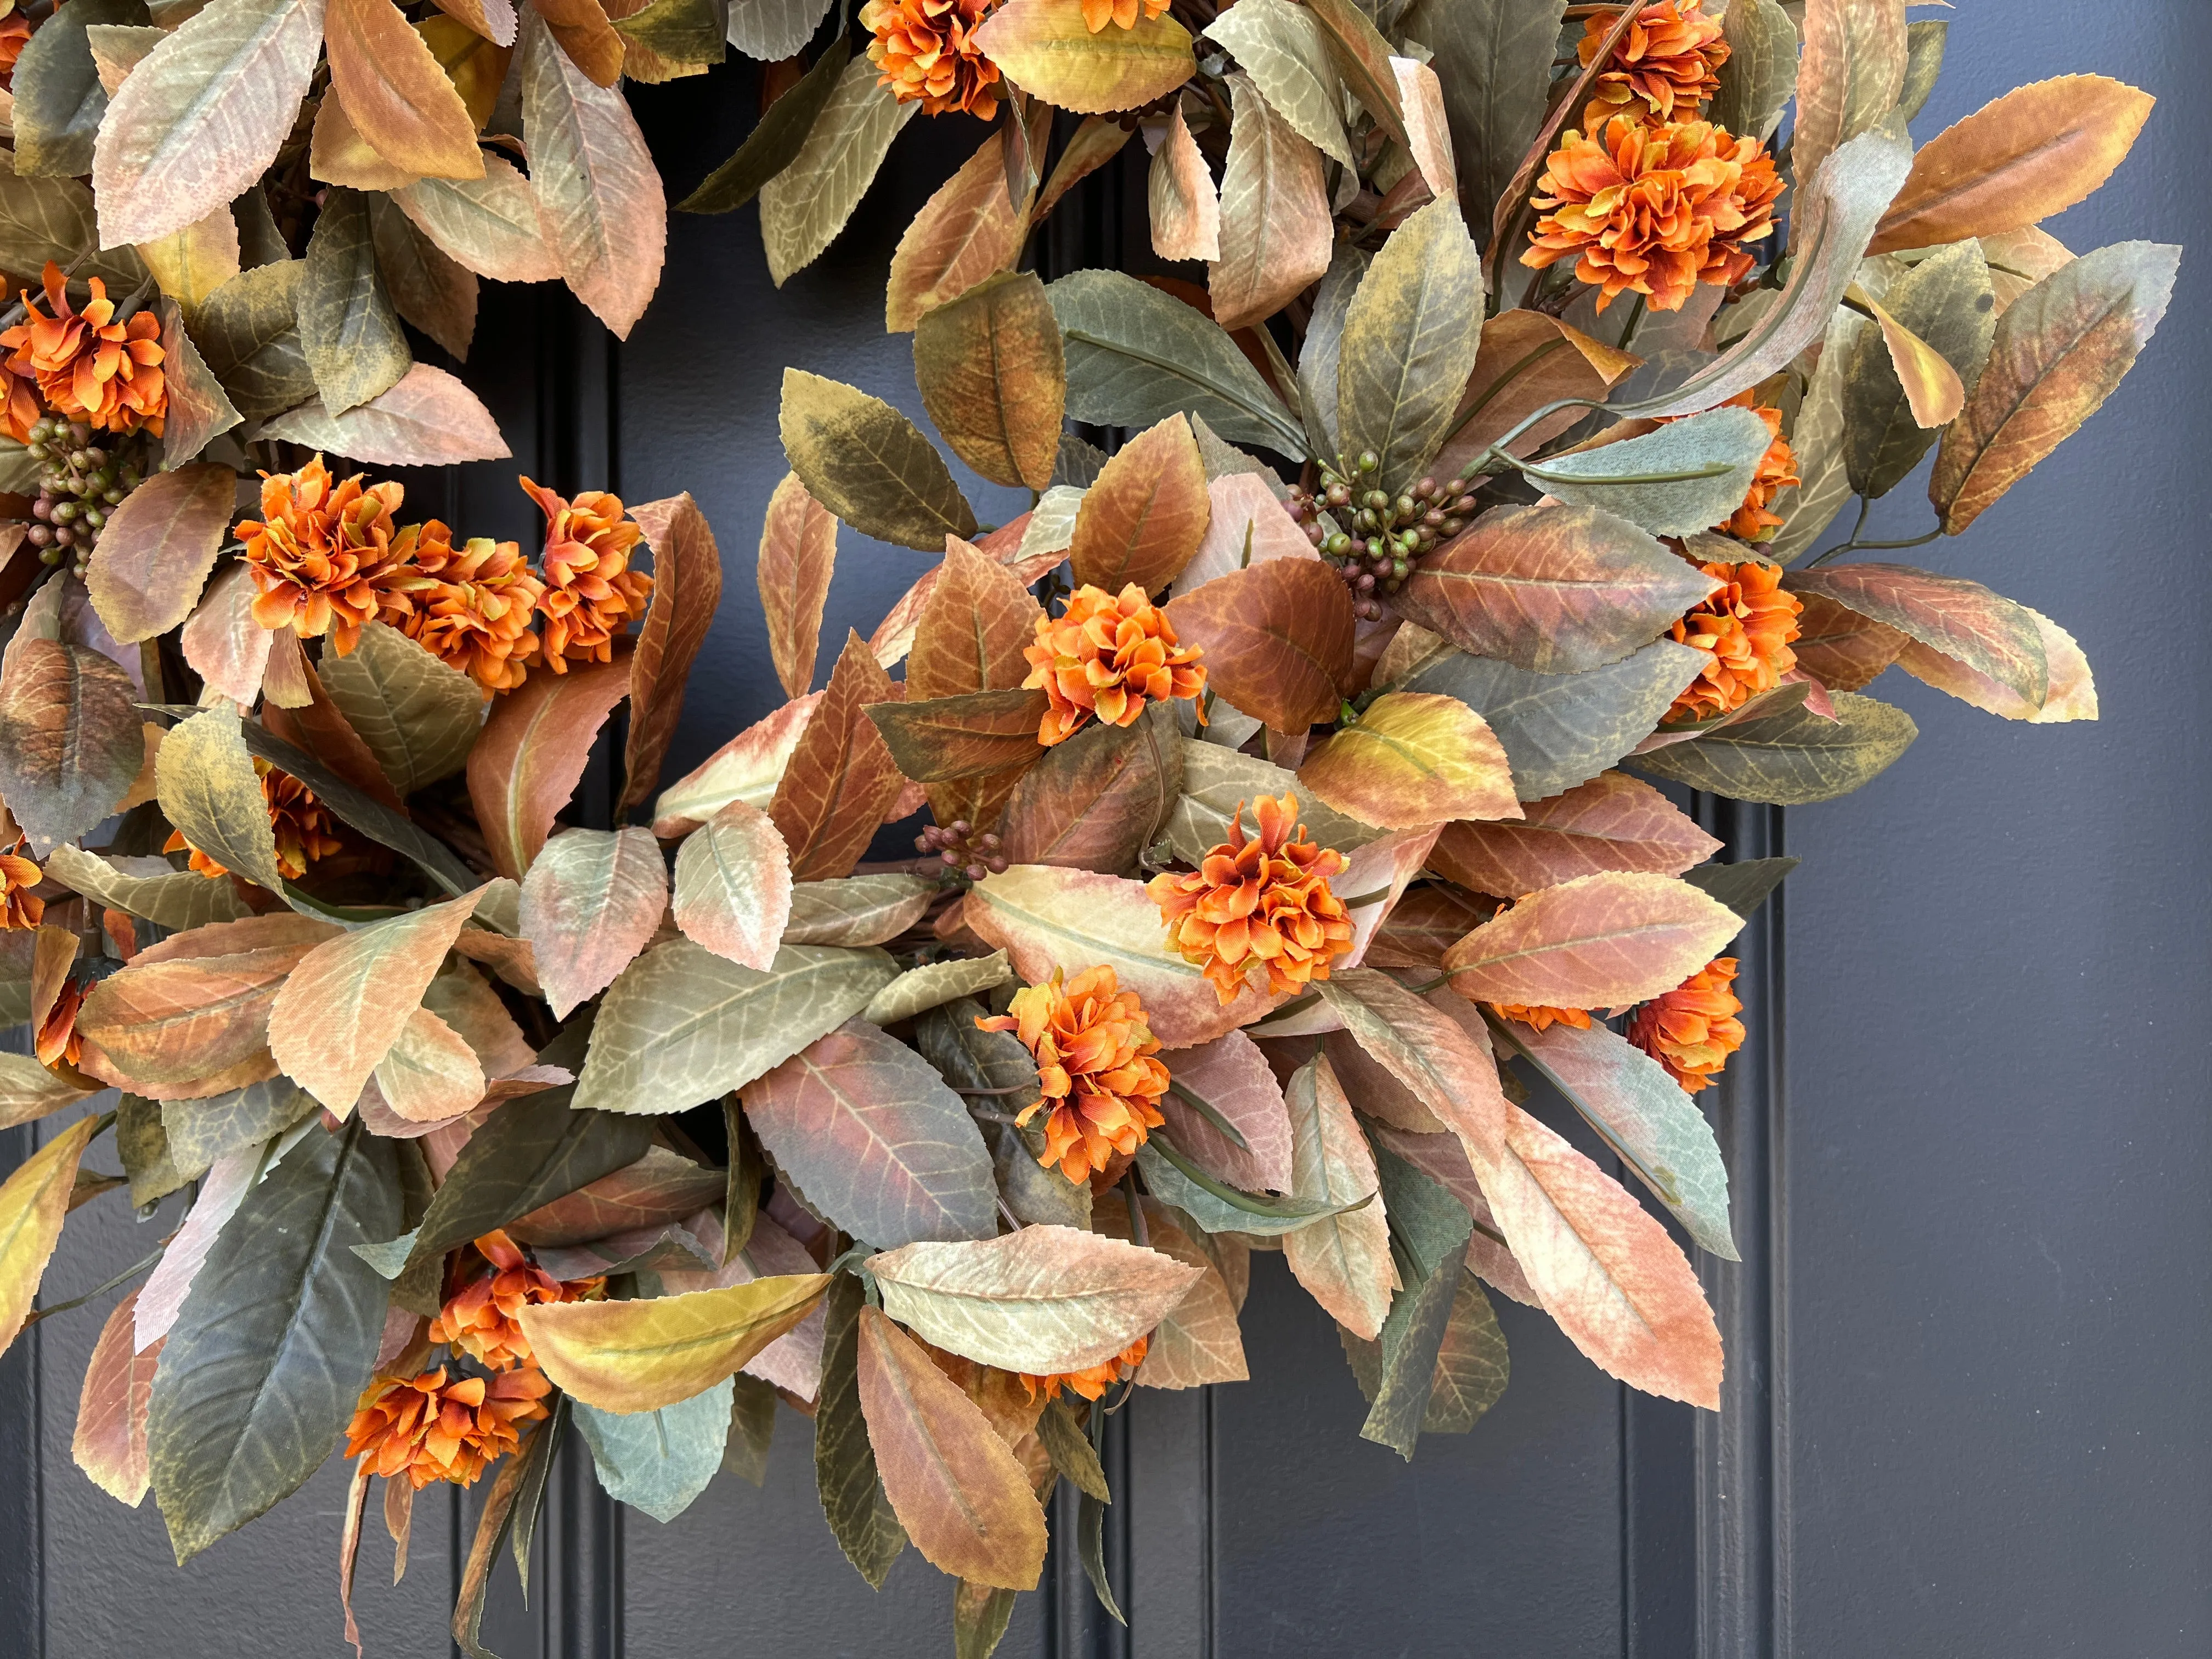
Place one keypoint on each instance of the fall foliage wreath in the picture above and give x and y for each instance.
(1288, 770)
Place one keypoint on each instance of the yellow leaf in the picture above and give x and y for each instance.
(33, 1202)
(640, 1356)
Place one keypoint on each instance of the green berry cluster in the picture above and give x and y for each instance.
(1371, 536)
(82, 484)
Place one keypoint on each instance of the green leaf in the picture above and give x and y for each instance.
(772, 29)
(1559, 729)
(1790, 759)
(364, 812)
(981, 1613)
(983, 1062)
(175, 899)
(356, 348)
(1136, 355)
(682, 1025)
(419, 717)
(1362, 56)
(70, 744)
(50, 220)
(1220, 1208)
(1924, 63)
(1472, 1365)
(210, 792)
(249, 332)
(870, 464)
(1742, 887)
(856, 909)
(1071, 1450)
(658, 1461)
(1947, 302)
(920, 989)
(1494, 58)
(806, 204)
(277, 1339)
(1761, 71)
(1091, 1546)
(143, 1147)
(201, 1131)
(539, 1452)
(753, 1428)
(58, 97)
(853, 1497)
(776, 140)
(1683, 478)
(1409, 344)
(682, 31)
(1434, 1229)
(1282, 47)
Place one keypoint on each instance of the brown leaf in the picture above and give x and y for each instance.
(338, 154)
(1443, 1064)
(978, 620)
(1601, 941)
(587, 35)
(428, 288)
(1186, 210)
(396, 92)
(965, 232)
(1277, 639)
(894, 636)
(960, 1493)
(1614, 821)
(687, 586)
(1414, 758)
(1839, 647)
(2031, 154)
(797, 552)
(980, 734)
(2018, 260)
(993, 379)
(321, 729)
(661, 1187)
(493, 20)
(591, 901)
(70, 741)
(2071, 695)
(1525, 361)
(1852, 70)
(1143, 518)
(841, 778)
(1963, 620)
(1423, 926)
(198, 408)
(110, 1442)
(1098, 800)
(532, 753)
(1094, 143)
(476, 65)
(1276, 233)
(1198, 1340)
(157, 549)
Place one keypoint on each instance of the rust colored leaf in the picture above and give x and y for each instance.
(1985, 632)
(493, 20)
(841, 778)
(1094, 143)
(1276, 234)
(430, 1074)
(961, 1494)
(1601, 941)
(993, 378)
(1377, 878)
(2072, 693)
(1423, 925)
(965, 232)
(1143, 518)
(687, 586)
(397, 92)
(1045, 48)
(110, 1442)
(2018, 260)
(1186, 210)
(894, 636)
(1852, 71)
(747, 767)
(1525, 361)
(1614, 821)
(587, 35)
(531, 756)
(1839, 647)
(338, 154)
(1445, 1064)
(1414, 758)
(70, 745)
(1230, 1075)
(198, 407)
(661, 1187)
(979, 734)
(797, 552)
(591, 901)
(978, 620)
(2032, 153)
(733, 886)
(157, 547)
(175, 1019)
(430, 418)
(1277, 638)
(1098, 800)
(1421, 97)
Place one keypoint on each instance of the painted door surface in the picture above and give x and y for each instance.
(1970, 1350)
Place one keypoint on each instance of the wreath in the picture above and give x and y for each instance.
(1292, 771)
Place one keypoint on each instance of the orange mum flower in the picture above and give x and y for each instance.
(479, 1317)
(58, 1039)
(1096, 14)
(1745, 630)
(433, 1430)
(89, 366)
(15, 35)
(1672, 53)
(1540, 1018)
(591, 593)
(470, 607)
(1094, 1048)
(1091, 1383)
(19, 908)
(1777, 471)
(321, 557)
(1693, 1029)
(1654, 211)
(1106, 657)
(302, 825)
(927, 49)
(1258, 903)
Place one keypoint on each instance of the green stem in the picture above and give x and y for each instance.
(127, 1275)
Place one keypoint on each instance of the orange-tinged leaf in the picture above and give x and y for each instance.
(1932, 386)
(1983, 631)
(1614, 821)
(962, 1495)
(747, 767)
(338, 154)
(587, 35)
(1839, 647)
(489, 225)
(2019, 259)
(1375, 878)
(640, 1355)
(1094, 143)
(1098, 800)
(110, 1442)
(2059, 351)
(894, 636)
(1142, 518)
(1362, 56)
(1443, 1063)
(493, 20)
(1554, 589)
(1276, 234)
(1043, 48)
(1246, 524)
(70, 742)
(591, 901)
(1198, 1341)
(157, 549)
(532, 752)
(176, 1020)
(1413, 758)
(2070, 694)
(661, 1187)
(430, 418)
(474, 63)
(2032, 153)
(1525, 361)
(396, 92)
(1233, 1076)
(1603, 1267)
(1599, 941)
(993, 378)
(687, 586)
(33, 1202)
(1849, 76)
(841, 778)
(1071, 920)
(430, 1074)
(1186, 209)
(965, 232)
(1277, 638)
(979, 618)
(345, 1003)
(1423, 926)
(733, 886)
(797, 552)
(1342, 1260)
(1428, 130)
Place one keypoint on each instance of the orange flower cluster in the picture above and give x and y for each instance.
(471, 608)
(1654, 211)
(494, 1282)
(1092, 1384)
(1744, 631)
(88, 366)
(1123, 13)
(1693, 1029)
(18, 907)
(927, 49)
(303, 827)
(1541, 1017)
(1672, 53)
(1777, 471)
(591, 593)
(430, 1429)
(1105, 657)
(1094, 1047)
(321, 555)
(1253, 903)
